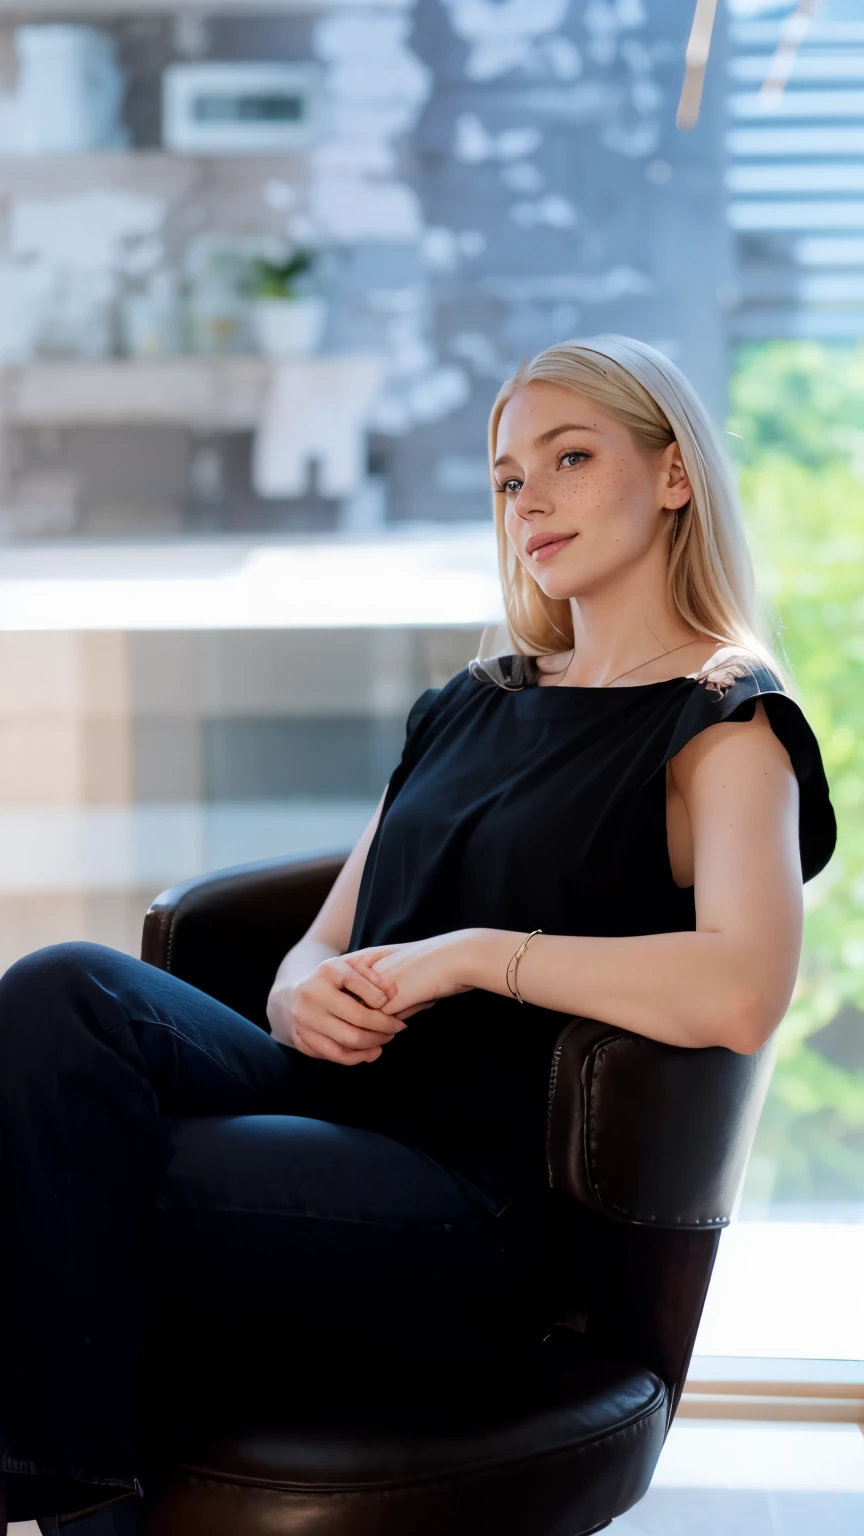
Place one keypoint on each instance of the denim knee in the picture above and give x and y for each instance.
(38, 998)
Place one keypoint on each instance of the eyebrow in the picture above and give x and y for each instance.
(548, 437)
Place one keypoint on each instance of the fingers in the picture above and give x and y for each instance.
(342, 1004)
(352, 1037)
(311, 1043)
(362, 981)
(358, 978)
(337, 1013)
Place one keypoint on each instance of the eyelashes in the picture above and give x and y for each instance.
(572, 453)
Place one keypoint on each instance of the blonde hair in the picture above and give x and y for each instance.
(710, 578)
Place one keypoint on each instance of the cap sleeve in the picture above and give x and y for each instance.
(416, 734)
(417, 713)
(733, 697)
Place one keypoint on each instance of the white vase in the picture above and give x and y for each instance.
(289, 327)
(70, 90)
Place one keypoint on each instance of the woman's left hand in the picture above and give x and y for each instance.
(424, 970)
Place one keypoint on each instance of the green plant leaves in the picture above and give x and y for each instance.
(797, 409)
(276, 280)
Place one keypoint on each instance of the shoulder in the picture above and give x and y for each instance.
(732, 683)
(744, 748)
(725, 665)
(420, 708)
(740, 738)
(432, 702)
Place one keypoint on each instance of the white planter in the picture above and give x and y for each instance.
(289, 327)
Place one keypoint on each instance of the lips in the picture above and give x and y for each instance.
(546, 545)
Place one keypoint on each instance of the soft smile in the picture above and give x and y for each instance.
(546, 551)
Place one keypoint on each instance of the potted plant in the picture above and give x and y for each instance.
(287, 323)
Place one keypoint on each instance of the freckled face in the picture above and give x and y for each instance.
(567, 467)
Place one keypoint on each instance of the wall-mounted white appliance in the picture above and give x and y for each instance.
(236, 108)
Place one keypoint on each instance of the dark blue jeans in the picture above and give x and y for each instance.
(179, 1217)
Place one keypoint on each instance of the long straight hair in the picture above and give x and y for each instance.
(710, 580)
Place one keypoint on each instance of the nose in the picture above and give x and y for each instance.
(534, 499)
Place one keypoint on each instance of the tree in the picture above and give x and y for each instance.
(796, 414)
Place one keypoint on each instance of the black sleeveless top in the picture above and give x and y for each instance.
(520, 807)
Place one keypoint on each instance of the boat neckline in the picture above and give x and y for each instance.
(662, 682)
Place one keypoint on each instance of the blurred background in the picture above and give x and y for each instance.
(263, 266)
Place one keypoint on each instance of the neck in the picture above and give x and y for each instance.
(610, 637)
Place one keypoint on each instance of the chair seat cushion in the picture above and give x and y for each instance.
(559, 1448)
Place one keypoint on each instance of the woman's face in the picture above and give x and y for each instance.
(569, 469)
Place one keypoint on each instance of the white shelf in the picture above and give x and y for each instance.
(144, 170)
(299, 408)
(213, 393)
(226, 393)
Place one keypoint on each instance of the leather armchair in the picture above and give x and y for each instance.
(646, 1145)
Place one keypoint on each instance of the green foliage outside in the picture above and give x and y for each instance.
(797, 419)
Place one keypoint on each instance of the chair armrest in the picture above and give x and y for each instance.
(227, 932)
(647, 1133)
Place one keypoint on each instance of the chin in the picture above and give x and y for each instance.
(560, 584)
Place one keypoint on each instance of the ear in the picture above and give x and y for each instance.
(675, 484)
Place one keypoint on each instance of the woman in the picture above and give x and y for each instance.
(613, 819)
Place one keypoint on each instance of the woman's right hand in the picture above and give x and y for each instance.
(334, 1013)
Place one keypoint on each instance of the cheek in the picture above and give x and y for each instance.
(610, 496)
(590, 498)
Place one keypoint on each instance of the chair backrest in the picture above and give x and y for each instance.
(646, 1143)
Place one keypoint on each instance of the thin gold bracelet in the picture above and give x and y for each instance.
(514, 962)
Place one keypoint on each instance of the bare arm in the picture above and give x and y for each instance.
(728, 983)
(328, 935)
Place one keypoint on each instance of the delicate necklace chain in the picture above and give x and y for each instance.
(630, 669)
